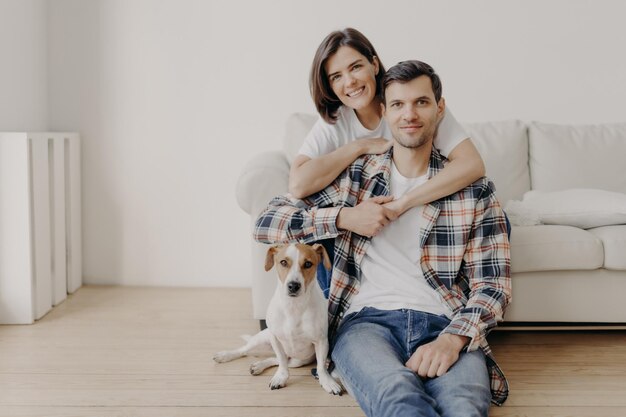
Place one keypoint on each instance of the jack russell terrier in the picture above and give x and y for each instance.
(297, 318)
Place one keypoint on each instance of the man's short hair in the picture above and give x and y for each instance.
(406, 71)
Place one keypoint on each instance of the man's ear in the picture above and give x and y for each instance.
(383, 108)
(441, 108)
(269, 258)
(323, 255)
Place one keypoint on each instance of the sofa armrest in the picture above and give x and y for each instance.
(264, 177)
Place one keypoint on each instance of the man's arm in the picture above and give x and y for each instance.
(487, 266)
(324, 214)
(286, 221)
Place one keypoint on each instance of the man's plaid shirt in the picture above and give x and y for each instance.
(465, 247)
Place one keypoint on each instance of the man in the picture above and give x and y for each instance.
(411, 305)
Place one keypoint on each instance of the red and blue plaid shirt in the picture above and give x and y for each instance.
(465, 247)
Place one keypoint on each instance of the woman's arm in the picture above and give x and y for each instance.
(308, 176)
(465, 167)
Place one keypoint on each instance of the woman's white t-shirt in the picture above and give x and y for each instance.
(325, 137)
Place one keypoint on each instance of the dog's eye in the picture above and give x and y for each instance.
(283, 263)
(308, 264)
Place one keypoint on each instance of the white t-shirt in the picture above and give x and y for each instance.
(325, 138)
(391, 275)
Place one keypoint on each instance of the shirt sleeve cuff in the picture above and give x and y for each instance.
(463, 330)
(326, 222)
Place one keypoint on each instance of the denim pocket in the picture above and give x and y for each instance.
(354, 315)
(425, 327)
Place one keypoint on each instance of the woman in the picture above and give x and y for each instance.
(345, 83)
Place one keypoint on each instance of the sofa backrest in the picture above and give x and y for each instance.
(503, 146)
(569, 156)
(504, 149)
(297, 127)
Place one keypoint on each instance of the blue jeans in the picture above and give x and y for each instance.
(323, 274)
(370, 350)
(323, 279)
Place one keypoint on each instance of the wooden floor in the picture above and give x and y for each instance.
(120, 351)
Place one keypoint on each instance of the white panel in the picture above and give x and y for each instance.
(73, 212)
(56, 146)
(40, 200)
(16, 274)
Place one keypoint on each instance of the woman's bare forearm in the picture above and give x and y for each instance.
(308, 175)
(465, 167)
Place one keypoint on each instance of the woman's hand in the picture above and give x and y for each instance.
(373, 146)
(398, 206)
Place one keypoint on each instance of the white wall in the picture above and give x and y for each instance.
(23, 79)
(173, 96)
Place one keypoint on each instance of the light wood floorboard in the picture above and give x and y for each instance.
(125, 351)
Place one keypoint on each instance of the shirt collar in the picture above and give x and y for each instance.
(382, 164)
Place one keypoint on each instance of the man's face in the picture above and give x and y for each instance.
(412, 112)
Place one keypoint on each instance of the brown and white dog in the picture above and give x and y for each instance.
(297, 318)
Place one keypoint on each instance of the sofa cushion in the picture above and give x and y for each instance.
(563, 157)
(578, 207)
(575, 297)
(504, 148)
(614, 240)
(553, 248)
(298, 126)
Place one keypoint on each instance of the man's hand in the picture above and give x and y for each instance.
(367, 218)
(435, 358)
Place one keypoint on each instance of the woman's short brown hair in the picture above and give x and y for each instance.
(326, 102)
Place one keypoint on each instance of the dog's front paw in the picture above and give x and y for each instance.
(257, 368)
(279, 380)
(331, 386)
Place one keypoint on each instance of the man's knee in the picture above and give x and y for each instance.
(396, 393)
(465, 389)
(401, 393)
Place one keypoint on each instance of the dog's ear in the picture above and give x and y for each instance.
(269, 258)
(321, 251)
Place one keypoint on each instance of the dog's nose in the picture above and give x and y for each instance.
(293, 287)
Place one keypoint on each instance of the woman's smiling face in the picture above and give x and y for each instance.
(352, 77)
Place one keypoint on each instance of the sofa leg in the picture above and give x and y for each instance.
(262, 324)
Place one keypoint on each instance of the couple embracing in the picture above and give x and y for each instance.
(392, 185)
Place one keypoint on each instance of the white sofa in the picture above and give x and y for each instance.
(561, 274)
